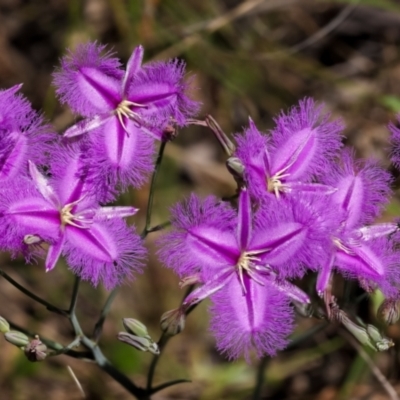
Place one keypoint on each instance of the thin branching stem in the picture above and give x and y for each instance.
(162, 342)
(152, 187)
(74, 296)
(159, 227)
(150, 375)
(53, 345)
(33, 296)
(390, 390)
(257, 393)
(98, 328)
(107, 367)
(260, 378)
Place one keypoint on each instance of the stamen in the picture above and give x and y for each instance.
(337, 242)
(124, 110)
(274, 183)
(77, 220)
(247, 264)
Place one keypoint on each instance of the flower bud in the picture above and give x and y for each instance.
(169, 133)
(16, 338)
(135, 327)
(373, 333)
(189, 280)
(389, 311)
(173, 322)
(35, 350)
(235, 167)
(139, 343)
(358, 332)
(4, 325)
(384, 344)
(32, 239)
(303, 309)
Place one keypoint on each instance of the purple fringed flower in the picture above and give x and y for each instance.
(233, 257)
(126, 110)
(300, 148)
(63, 212)
(22, 135)
(357, 251)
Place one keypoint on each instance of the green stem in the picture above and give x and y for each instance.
(74, 296)
(161, 345)
(98, 328)
(107, 367)
(75, 324)
(152, 187)
(150, 375)
(51, 344)
(159, 227)
(264, 361)
(33, 296)
(260, 378)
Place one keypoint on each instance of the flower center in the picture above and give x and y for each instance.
(247, 264)
(81, 220)
(275, 185)
(124, 110)
(340, 245)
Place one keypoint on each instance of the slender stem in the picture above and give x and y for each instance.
(390, 390)
(107, 367)
(51, 344)
(159, 227)
(76, 342)
(162, 342)
(98, 328)
(150, 375)
(76, 325)
(168, 384)
(264, 361)
(260, 378)
(33, 296)
(74, 296)
(152, 186)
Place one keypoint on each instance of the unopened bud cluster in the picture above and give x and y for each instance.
(137, 336)
(34, 349)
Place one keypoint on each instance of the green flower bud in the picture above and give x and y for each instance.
(4, 325)
(384, 344)
(16, 338)
(235, 167)
(374, 333)
(358, 332)
(139, 343)
(303, 309)
(135, 327)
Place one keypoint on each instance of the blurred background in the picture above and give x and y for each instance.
(246, 58)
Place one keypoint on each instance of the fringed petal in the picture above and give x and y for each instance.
(305, 142)
(259, 321)
(206, 218)
(107, 252)
(89, 81)
(132, 68)
(161, 88)
(122, 157)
